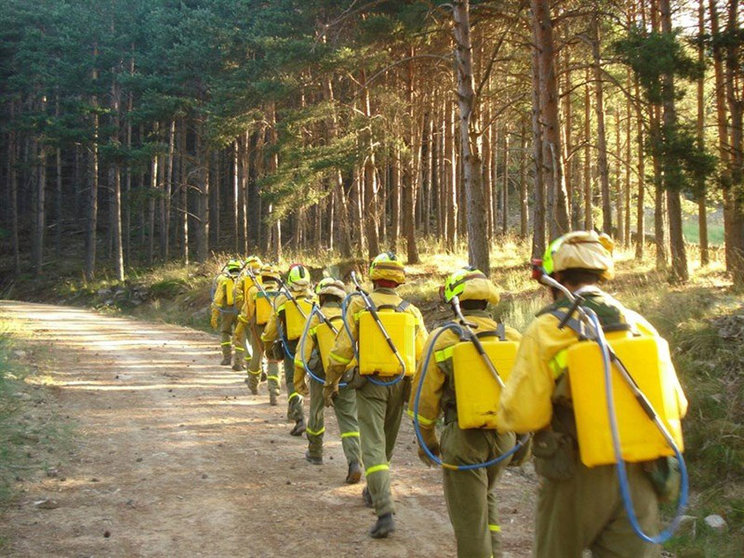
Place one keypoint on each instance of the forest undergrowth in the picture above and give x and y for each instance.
(702, 319)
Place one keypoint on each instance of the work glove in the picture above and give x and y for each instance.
(430, 441)
(213, 321)
(522, 454)
(329, 394)
(301, 387)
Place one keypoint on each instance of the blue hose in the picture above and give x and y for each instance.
(622, 473)
(347, 327)
(417, 427)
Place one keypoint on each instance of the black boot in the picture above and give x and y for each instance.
(384, 526)
(314, 459)
(299, 428)
(355, 473)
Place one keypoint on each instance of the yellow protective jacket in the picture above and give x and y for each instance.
(271, 333)
(527, 399)
(342, 353)
(248, 309)
(438, 390)
(242, 286)
(330, 310)
(224, 294)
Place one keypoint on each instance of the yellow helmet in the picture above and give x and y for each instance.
(581, 250)
(387, 266)
(470, 284)
(253, 262)
(298, 277)
(330, 286)
(269, 271)
(234, 266)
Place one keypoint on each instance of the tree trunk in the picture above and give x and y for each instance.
(549, 104)
(538, 240)
(478, 241)
(674, 198)
(640, 209)
(701, 189)
(588, 214)
(451, 166)
(604, 173)
(370, 179)
(735, 231)
(409, 184)
(92, 217)
(201, 234)
(523, 198)
(13, 179)
(114, 175)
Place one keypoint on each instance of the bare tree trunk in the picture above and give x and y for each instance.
(184, 194)
(640, 208)
(58, 205)
(92, 218)
(38, 197)
(236, 194)
(114, 175)
(451, 166)
(735, 231)
(538, 240)
(701, 189)
(588, 216)
(549, 104)
(370, 179)
(523, 198)
(604, 173)
(201, 235)
(409, 184)
(505, 194)
(13, 179)
(478, 241)
(618, 189)
(730, 218)
(674, 198)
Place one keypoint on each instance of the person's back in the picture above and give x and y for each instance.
(380, 399)
(579, 507)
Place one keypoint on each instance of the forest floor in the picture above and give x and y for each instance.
(172, 456)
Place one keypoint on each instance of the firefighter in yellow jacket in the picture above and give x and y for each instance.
(224, 308)
(330, 293)
(278, 335)
(379, 407)
(258, 307)
(578, 507)
(242, 333)
(471, 500)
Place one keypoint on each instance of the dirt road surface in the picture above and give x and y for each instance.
(172, 456)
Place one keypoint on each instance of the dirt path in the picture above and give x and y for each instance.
(173, 457)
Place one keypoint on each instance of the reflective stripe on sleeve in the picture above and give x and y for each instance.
(423, 420)
(444, 354)
(559, 363)
(340, 359)
(375, 468)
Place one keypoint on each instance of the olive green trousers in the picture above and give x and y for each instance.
(380, 409)
(470, 495)
(586, 512)
(345, 409)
